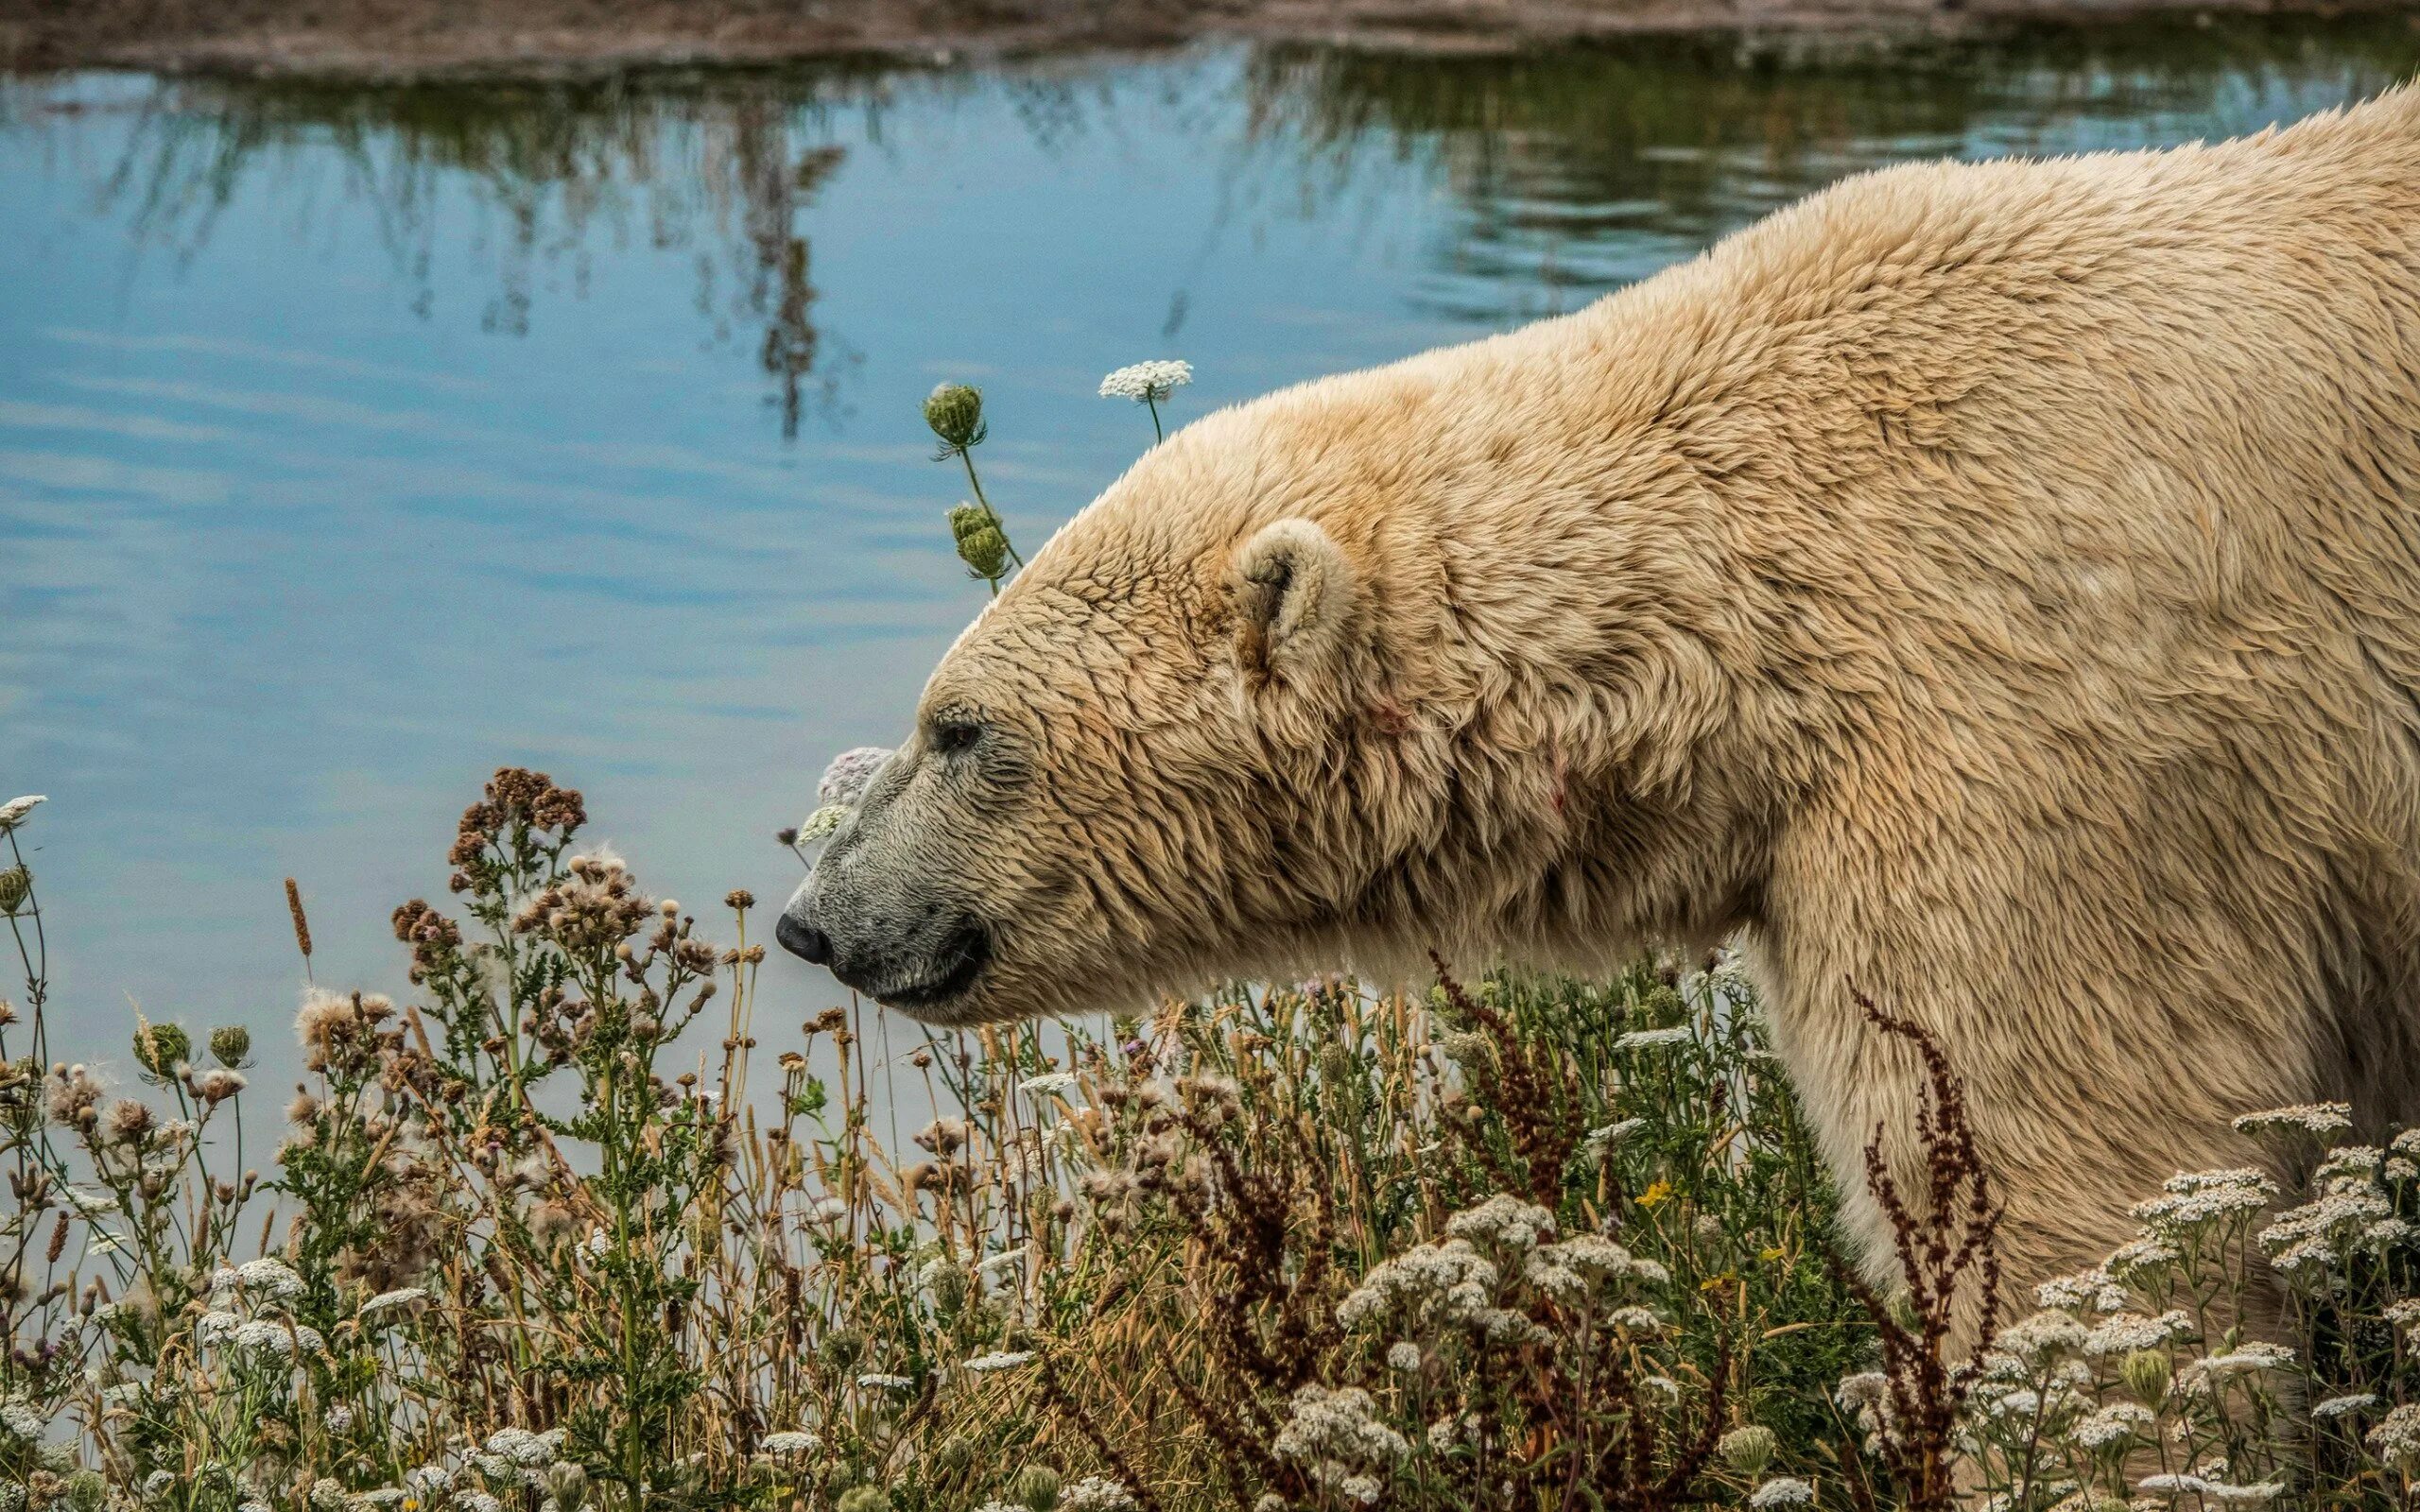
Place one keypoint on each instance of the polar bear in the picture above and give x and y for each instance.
(1992, 588)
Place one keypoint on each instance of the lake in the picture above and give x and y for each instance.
(354, 440)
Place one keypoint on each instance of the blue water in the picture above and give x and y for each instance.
(353, 441)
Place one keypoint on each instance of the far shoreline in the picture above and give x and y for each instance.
(404, 40)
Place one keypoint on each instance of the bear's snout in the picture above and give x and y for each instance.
(803, 940)
(919, 958)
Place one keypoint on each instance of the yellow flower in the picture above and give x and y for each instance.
(1768, 1255)
(1656, 1195)
(1713, 1283)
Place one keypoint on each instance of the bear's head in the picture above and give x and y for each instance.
(1252, 713)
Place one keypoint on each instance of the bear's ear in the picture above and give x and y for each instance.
(1294, 597)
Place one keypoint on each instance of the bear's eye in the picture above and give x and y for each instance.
(951, 736)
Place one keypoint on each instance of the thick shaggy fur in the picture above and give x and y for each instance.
(1992, 588)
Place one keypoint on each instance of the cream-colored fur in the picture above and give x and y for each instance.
(1996, 587)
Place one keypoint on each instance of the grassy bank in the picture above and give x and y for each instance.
(571, 1227)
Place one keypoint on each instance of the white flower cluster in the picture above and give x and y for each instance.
(1336, 1437)
(517, 1457)
(1147, 382)
(790, 1441)
(1095, 1493)
(2212, 1492)
(2311, 1118)
(2396, 1438)
(2192, 1201)
(999, 1360)
(1781, 1491)
(2352, 1214)
(1679, 1034)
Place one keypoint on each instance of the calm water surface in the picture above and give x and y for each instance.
(356, 440)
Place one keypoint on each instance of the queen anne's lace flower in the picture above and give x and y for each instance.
(1652, 1039)
(1145, 382)
(790, 1441)
(1095, 1493)
(400, 1297)
(1781, 1491)
(999, 1360)
(2213, 1491)
(2343, 1406)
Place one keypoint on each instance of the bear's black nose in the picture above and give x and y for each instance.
(805, 941)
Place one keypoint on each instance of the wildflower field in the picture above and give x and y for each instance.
(573, 1226)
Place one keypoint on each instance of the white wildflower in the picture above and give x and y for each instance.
(2213, 1491)
(2396, 1438)
(2087, 1290)
(477, 1502)
(2114, 1425)
(2125, 1332)
(337, 1419)
(1635, 1319)
(1147, 382)
(1782, 1490)
(828, 1209)
(2312, 1118)
(999, 1360)
(523, 1446)
(272, 1279)
(2204, 1374)
(1005, 1259)
(1336, 1435)
(2405, 1313)
(14, 812)
(2195, 1199)
(2341, 1406)
(19, 1419)
(1403, 1355)
(1599, 1141)
(1361, 1489)
(262, 1337)
(1429, 1284)
(1650, 1038)
(823, 824)
(216, 1327)
(2042, 1337)
(882, 1383)
(1095, 1493)
(1048, 1084)
(1505, 1221)
(400, 1297)
(792, 1441)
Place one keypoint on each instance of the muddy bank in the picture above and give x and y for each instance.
(425, 38)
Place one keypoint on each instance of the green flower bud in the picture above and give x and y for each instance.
(1748, 1449)
(954, 1456)
(842, 1347)
(161, 1048)
(87, 1491)
(956, 414)
(1035, 1488)
(16, 886)
(980, 544)
(863, 1498)
(230, 1043)
(2145, 1373)
(568, 1486)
